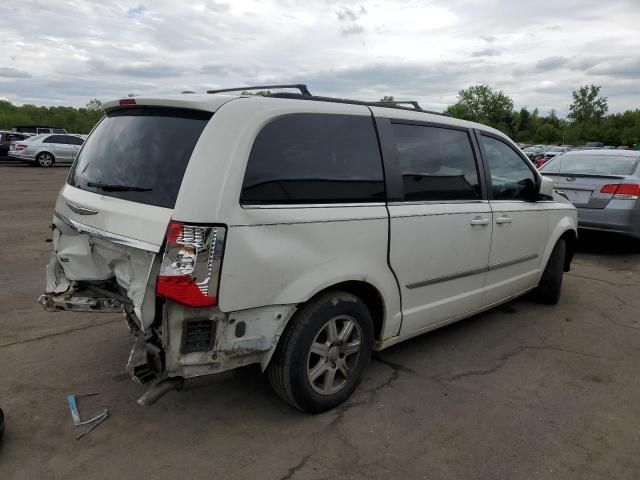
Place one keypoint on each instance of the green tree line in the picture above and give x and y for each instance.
(587, 120)
(74, 120)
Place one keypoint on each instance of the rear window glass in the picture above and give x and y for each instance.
(591, 165)
(139, 154)
(314, 158)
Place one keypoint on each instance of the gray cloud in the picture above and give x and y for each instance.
(352, 29)
(347, 14)
(487, 52)
(624, 68)
(136, 69)
(8, 72)
(551, 63)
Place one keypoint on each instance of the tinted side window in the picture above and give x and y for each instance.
(314, 158)
(511, 178)
(74, 140)
(51, 139)
(436, 163)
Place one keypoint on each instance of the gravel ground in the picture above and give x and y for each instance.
(525, 391)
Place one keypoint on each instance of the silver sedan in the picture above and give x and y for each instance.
(46, 150)
(604, 185)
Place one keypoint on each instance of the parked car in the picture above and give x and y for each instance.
(46, 150)
(6, 137)
(38, 129)
(532, 152)
(548, 154)
(296, 232)
(603, 184)
(593, 145)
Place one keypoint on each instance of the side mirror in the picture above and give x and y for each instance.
(546, 187)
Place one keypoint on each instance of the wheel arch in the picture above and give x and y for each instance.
(565, 228)
(369, 295)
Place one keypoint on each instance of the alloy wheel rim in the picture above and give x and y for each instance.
(45, 160)
(333, 354)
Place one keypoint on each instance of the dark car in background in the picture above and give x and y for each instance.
(6, 137)
(604, 185)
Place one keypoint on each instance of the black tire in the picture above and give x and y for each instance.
(45, 159)
(548, 290)
(290, 369)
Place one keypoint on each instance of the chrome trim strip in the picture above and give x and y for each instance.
(508, 263)
(446, 278)
(473, 271)
(81, 210)
(112, 237)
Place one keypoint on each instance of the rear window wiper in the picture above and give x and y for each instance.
(113, 187)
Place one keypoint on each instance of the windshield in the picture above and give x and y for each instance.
(139, 154)
(591, 165)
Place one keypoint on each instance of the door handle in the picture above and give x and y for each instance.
(479, 221)
(503, 220)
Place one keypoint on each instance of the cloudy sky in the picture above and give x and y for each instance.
(64, 52)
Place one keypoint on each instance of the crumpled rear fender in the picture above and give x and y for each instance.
(79, 257)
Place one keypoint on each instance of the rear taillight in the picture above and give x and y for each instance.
(623, 191)
(190, 270)
(21, 146)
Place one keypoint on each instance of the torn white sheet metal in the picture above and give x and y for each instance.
(83, 257)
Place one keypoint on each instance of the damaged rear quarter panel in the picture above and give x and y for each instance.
(80, 257)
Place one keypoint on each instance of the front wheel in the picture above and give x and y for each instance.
(548, 290)
(44, 159)
(321, 356)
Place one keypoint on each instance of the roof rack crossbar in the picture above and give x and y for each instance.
(414, 103)
(298, 86)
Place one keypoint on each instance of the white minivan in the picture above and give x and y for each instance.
(297, 232)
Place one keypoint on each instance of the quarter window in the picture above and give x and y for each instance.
(314, 158)
(511, 178)
(436, 163)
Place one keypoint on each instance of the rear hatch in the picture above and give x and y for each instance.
(112, 215)
(589, 180)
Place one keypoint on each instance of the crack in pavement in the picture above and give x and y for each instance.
(614, 284)
(507, 356)
(296, 468)
(55, 334)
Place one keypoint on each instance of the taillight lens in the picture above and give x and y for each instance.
(190, 269)
(622, 191)
(21, 146)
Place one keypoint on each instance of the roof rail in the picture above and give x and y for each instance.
(299, 86)
(398, 105)
(306, 95)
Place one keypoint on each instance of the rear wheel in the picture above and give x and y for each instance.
(44, 159)
(548, 290)
(321, 356)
